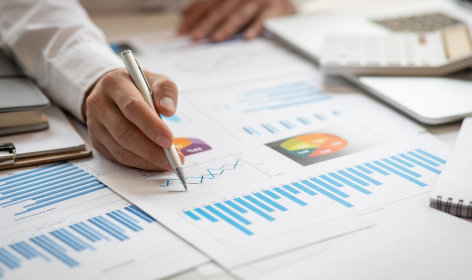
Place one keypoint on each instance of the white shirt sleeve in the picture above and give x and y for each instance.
(57, 45)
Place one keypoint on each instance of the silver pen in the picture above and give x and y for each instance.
(142, 84)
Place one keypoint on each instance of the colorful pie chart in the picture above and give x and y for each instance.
(190, 146)
(313, 145)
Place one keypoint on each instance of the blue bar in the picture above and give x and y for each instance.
(290, 189)
(363, 176)
(235, 206)
(62, 199)
(253, 130)
(266, 127)
(124, 222)
(15, 179)
(304, 189)
(254, 209)
(247, 130)
(284, 124)
(110, 224)
(43, 189)
(113, 232)
(138, 212)
(363, 169)
(228, 220)
(32, 250)
(47, 178)
(90, 230)
(45, 243)
(325, 185)
(258, 203)
(55, 195)
(272, 127)
(289, 196)
(271, 194)
(69, 186)
(128, 217)
(206, 215)
(22, 251)
(76, 239)
(411, 179)
(232, 213)
(349, 183)
(84, 233)
(67, 241)
(191, 215)
(375, 168)
(32, 172)
(407, 164)
(7, 259)
(331, 181)
(52, 181)
(423, 159)
(440, 160)
(302, 121)
(404, 169)
(270, 201)
(420, 164)
(332, 196)
(353, 178)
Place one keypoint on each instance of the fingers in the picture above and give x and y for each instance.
(237, 21)
(165, 93)
(268, 10)
(194, 13)
(126, 143)
(132, 105)
(107, 146)
(204, 27)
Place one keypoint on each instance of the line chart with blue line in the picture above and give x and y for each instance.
(252, 213)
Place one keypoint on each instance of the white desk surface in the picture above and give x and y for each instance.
(120, 25)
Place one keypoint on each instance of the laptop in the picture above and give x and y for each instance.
(430, 100)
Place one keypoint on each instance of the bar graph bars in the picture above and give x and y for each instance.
(338, 186)
(288, 123)
(56, 244)
(46, 186)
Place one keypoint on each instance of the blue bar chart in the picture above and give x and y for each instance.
(46, 186)
(56, 245)
(340, 187)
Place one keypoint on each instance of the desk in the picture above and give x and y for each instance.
(120, 26)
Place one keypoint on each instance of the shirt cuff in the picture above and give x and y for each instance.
(75, 71)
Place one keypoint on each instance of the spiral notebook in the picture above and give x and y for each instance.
(453, 191)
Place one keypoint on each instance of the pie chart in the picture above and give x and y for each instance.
(190, 146)
(313, 145)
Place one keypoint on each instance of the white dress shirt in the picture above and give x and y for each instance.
(59, 46)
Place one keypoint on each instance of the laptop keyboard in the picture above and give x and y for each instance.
(421, 23)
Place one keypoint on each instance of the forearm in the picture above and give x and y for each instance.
(57, 44)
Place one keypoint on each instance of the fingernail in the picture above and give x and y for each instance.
(251, 33)
(164, 141)
(167, 103)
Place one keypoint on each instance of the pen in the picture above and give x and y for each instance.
(142, 84)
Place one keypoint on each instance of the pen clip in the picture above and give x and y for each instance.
(145, 80)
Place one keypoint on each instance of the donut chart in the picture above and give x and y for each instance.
(313, 145)
(190, 146)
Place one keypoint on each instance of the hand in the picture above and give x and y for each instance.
(222, 19)
(123, 127)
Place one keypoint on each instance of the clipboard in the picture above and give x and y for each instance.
(8, 160)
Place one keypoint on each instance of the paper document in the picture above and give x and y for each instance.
(420, 243)
(196, 64)
(60, 222)
(266, 180)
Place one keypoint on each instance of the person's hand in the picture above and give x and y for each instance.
(222, 19)
(123, 127)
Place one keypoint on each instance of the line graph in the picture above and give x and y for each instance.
(213, 173)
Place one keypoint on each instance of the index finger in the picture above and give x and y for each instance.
(131, 103)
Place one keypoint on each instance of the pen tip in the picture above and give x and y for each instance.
(185, 186)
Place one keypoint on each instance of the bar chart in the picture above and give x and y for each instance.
(252, 213)
(46, 186)
(65, 227)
